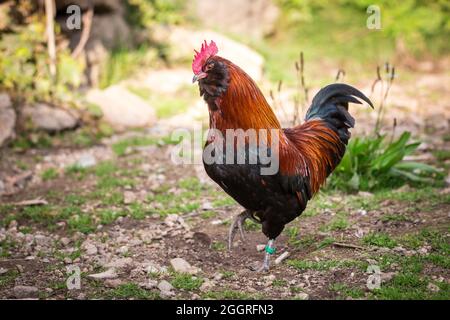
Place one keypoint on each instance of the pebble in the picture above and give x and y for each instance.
(207, 285)
(432, 287)
(108, 274)
(113, 283)
(150, 284)
(182, 266)
(302, 296)
(260, 247)
(165, 287)
(120, 263)
(282, 257)
(22, 292)
(64, 241)
(90, 248)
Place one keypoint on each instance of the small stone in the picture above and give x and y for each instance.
(182, 266)
(81, 296)
(150, 284)
(268, 280)
(65, 241)
(207, 285)
(207, 206)
(90, 248)
(22, 292)
(67, 260)
(108, 274)
(20, 268)
(260, 247)
(3, 271)
(387, 276)
(113, 283)
(362, 212)
(165, 287)
(129, 197)
(120, 263)
(281, 258)
(432, 287)
(123, 249)
(302, 296)
(218, 276)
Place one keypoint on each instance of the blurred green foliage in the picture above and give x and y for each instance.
(416, 23)
(123, 62)
(147, 13)
(24, 63)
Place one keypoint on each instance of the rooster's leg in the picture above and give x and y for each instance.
(238, 224)
(270, 249)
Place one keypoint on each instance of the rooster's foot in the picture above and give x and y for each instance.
(238, 224)
(270, 249)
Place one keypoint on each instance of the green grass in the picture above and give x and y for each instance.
(394, 218)
(280, 283)
(121, 147)
(208, 214)
(131, 291)
(343, 290)
(379, 240)
(230, 295)
(218, 246)
(410, 286)
(186, 282)
(325, 264)
(108, 216)
(5, 247)
(8, 278)
(168, 105)
(184, 201)
(49, 174)
(337, 223)
(227, 274)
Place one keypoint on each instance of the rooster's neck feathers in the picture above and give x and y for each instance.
(238, 104)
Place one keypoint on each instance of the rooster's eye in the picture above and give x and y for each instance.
(209, 66)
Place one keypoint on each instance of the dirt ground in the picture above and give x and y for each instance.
(119, 211)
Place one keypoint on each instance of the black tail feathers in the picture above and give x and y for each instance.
(331, 105)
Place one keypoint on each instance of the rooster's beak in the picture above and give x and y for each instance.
(199, 76)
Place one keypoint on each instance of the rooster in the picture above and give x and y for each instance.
(307, 153)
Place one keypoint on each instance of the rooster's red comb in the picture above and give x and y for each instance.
(205, 53)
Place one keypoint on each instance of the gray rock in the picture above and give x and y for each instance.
(120, 263)
(108, 274)
(302, 296)
(22, 292)
(182, 266)
(48, 118)
(90, 248)
(7, 119)
(150, 284)
(122, 109)
(165, 287)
